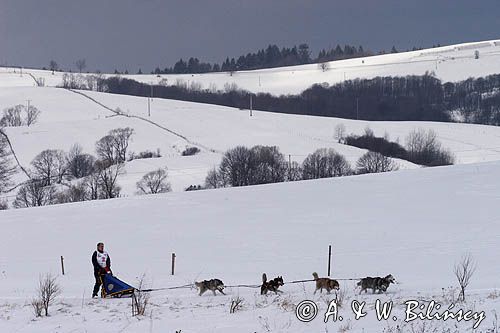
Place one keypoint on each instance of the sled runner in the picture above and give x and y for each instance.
(114, 287)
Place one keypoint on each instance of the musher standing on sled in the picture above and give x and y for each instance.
(102, 266)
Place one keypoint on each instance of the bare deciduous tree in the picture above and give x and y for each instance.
(270, 165)
(53, 66)
(75, 193)
(214, 180)
(91, 184)
(122, 137)
(154, 182)
(113, 147)
(105, 149)
(424, 148)
(236, 167)
(324, 66)
(7, 168)
(324, 163)
(34, 193)
(81, 64)
(463, 272)
(294, 172)
(107, 178)
(12, 116)
(241, 166)
(32, 114)
(373, 162)
(79, 164)
(50, 166)
(340, 132)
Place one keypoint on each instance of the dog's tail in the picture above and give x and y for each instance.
(315, 275)
(264, 278)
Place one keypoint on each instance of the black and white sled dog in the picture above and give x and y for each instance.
(379, 284)
(271, 285)
(213, 285)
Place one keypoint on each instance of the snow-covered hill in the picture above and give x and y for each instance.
(414, 224)
(448, 63)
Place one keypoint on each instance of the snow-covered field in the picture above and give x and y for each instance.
(449, 63)
(414, 224)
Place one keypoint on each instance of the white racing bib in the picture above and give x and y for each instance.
(102, 258)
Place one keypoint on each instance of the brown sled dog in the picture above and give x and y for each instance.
(271, 285)
(213, 285)
(325, 283)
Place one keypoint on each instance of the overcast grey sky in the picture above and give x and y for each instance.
(132, 34)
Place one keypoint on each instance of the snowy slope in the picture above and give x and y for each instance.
(414, 224)
(68, 118)
(448, 63)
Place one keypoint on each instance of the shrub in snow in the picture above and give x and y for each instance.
(189, 151)
(144, 154)
(463, 272)
(140, 299)
(48, 290)
(4, 205)
(425, 149)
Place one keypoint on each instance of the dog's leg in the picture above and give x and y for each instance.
(315, 290)
(213, 290)
(202, 291)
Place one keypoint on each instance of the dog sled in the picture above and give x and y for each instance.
(112, 287)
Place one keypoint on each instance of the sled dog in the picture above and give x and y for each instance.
(271, 285)
(376, 283)
(325, 283)
(213, 285)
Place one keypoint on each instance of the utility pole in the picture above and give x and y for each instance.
(289, 162)
(28, 100)
(251, 105)
(150, 98)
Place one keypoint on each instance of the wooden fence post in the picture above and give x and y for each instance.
(62, 264)
(173, 263)
(329, 259)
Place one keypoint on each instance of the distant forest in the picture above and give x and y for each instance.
(270, 57)
(383, 98)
